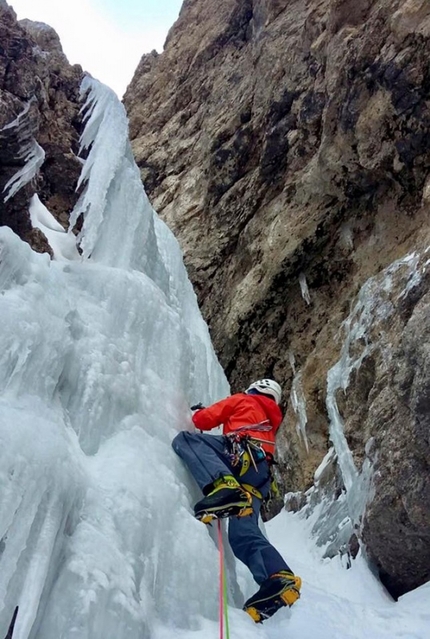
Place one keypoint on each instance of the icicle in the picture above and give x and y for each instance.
(30, 151)
(106, 135)
(298, 403)
(304, 288)
(19, 122)
(292, 361)
(34, 157)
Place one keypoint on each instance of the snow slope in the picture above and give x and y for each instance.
(100, 357)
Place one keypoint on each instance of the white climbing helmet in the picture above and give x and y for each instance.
(267, 387)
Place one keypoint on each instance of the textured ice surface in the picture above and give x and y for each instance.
(99, 360)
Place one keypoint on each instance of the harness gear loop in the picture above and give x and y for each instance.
(244, 450)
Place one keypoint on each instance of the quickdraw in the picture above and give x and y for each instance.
(244, 451)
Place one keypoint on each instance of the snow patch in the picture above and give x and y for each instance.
(63, 243)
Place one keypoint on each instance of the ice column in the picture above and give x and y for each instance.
(298, 403)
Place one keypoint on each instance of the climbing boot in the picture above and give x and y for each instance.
(226, 499)
(281, 589)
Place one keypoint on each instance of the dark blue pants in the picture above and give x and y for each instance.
(207, 460)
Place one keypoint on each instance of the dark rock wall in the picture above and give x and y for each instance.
(289, 141)
(36, 78)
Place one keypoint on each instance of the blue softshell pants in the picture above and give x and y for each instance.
(207, 459)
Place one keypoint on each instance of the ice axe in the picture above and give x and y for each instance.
(12, 624)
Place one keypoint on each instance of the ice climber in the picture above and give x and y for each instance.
(233, 471)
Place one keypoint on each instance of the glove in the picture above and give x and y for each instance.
(198, 406)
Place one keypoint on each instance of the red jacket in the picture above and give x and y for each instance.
(241, 410)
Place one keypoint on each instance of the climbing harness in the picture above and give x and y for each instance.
(223, 603)
(245, 450)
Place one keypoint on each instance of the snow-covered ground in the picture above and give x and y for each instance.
(100, 357)
(336, 602)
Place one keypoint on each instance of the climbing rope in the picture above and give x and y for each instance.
(223, 602)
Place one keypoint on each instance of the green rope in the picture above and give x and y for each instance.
(223, 588)
(224, 585)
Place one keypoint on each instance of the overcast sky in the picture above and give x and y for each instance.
(106, 37)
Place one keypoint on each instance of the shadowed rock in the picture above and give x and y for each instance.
(39, 92)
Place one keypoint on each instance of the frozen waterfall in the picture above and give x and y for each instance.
(99, 359)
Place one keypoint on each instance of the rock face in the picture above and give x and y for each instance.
(397, 415)
(39, 113)
(287, 144)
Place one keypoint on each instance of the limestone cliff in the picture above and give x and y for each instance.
(39, 114)
(287, 144)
